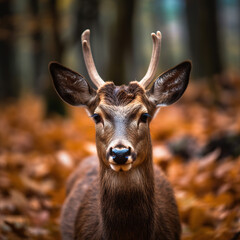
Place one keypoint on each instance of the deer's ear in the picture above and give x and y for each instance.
(170, 86)
(71, 86)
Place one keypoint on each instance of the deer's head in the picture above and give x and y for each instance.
(122, 113)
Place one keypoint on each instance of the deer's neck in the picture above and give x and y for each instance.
(127, 201)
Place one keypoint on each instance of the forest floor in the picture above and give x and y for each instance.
(196, 142)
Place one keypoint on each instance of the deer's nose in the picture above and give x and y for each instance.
(120, 155)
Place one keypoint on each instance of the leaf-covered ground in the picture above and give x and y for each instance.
(195, 142)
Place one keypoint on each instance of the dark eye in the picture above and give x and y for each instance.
(144, 117)
(97, 118)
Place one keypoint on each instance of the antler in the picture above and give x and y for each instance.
(147, 79)
(87, 54)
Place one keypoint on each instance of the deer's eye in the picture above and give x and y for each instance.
(97, 118)
(144, 117)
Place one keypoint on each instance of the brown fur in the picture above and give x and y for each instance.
(104, 203)
(120, 95)
(148, 212)
(137, 204)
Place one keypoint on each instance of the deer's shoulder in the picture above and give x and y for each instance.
(87, 170)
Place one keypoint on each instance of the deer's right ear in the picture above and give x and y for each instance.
(170, 86)
(71, 86)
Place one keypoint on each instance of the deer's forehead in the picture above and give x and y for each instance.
(123, 95)
(125, 100)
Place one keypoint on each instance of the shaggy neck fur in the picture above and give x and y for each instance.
(127, 202)
(127, 199)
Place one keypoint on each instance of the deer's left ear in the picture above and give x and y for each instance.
(170, 86)
(71, 86)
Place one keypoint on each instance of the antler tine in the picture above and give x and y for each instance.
(147, 79)
(87, 54)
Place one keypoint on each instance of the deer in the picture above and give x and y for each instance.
(120, 194)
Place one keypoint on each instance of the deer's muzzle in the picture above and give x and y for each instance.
(121, 157)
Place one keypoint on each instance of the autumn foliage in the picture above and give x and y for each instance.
(196, 142)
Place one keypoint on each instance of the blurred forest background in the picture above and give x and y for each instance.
(196, 141)
(32, 33)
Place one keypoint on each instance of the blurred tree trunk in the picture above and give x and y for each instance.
(84, 14)
(9, 84)
(121, 49)
(203, 31)
(204, 44)
(56, 30)
(53, 104)
(38, 50)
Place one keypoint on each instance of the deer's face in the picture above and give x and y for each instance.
(122, 125)
(122, 114)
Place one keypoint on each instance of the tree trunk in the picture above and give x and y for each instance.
(204, 44)
(121, 50)
(53, 105)
(9, 84)
(203, 33)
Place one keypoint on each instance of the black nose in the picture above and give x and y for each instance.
(120, 156)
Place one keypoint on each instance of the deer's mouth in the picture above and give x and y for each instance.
(120, 167)
(123, 167)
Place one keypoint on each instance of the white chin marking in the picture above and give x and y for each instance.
(115, 167)
(124, 167)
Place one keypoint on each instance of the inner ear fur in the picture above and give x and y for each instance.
(71, 86)
(170, 86)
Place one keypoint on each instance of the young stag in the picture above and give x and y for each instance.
(120, 194)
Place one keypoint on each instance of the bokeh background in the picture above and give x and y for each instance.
(32, 33)
(196, 141)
